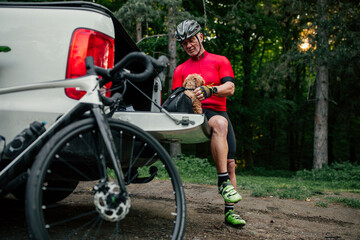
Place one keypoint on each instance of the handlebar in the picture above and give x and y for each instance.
(108, 101)
(159, 64)
(127, 60)
(109, 74)
(118, 72)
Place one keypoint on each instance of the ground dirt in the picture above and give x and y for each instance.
(267, 218)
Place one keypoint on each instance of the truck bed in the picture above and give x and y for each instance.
(164, 129)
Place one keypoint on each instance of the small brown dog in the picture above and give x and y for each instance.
(193, 81)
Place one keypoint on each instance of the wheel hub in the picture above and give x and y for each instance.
(111, 204)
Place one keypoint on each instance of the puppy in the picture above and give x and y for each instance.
(193, 81)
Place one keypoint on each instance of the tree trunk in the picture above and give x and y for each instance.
(175, 148)
(321, 119)
(171, 46)
(246, 102)
(322, 88)
(138, 30)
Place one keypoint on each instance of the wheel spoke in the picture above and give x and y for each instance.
(73, 168)
(71, 219)
(90, 223)
(131, 157)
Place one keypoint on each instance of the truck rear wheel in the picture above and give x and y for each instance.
(65, 189)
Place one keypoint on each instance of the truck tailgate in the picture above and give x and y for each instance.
(163, 128)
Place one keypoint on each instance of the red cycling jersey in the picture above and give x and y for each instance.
(213, 68)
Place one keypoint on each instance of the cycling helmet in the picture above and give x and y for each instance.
(186, 29)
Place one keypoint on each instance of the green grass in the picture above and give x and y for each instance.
(349, 202)
(193, 170)
(335, 179)
(321, 204)
(259, 182)
(196, 170)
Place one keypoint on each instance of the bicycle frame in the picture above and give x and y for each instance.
(90, 102)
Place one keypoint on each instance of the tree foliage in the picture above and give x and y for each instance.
(273, 46)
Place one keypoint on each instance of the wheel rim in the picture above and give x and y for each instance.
(158, 207)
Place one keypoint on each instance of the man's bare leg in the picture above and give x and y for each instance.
(218, 144)
(232, 175)
(219, 151)
(231, 171)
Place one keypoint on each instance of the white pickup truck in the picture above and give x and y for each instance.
(49, 41)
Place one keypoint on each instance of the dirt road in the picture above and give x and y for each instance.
(267, 218)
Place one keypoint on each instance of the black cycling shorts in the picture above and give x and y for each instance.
(230, 136)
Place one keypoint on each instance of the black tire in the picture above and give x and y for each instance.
(158, 209)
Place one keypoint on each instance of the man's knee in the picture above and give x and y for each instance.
(231, 165)
(219, 124)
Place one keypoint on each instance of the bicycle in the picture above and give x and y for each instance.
(88, 154)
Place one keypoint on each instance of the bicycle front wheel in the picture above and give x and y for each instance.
(77, 154)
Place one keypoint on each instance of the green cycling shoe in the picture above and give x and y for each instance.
(229, 193)
(233, 219)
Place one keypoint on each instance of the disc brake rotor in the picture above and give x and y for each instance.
(111, 204)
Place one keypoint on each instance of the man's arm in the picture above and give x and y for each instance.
(224, 90)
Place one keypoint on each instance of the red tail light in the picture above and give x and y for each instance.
(85, 43)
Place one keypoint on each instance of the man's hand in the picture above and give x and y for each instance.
(203, 92)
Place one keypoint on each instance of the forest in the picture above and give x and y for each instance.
(296, 64)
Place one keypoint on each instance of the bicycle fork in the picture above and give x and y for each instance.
(112, 205)
(105, 132)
